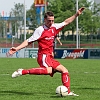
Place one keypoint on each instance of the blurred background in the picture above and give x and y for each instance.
(20, 23)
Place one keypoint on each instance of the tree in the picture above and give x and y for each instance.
(90, 21)
(31, 14)
(17, 11)
(65, 8)
(68, 7)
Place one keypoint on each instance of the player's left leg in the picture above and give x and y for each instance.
(33, 71)
(44, 61)
(38, 71)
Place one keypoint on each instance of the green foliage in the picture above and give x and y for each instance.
(65, 8)
(22, 36)
(62, 10)
(89, 21)
(31, 13)
(18, 10)
(84, 76)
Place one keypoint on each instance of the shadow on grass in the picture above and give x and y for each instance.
(15, 92)
(11, 92)
(54, 96)
(51, 95)
(89, 88)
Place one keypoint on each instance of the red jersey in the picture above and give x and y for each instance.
(45, 37)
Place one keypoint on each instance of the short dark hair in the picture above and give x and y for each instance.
(49, 13)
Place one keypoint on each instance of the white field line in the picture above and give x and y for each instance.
(91, 72)
(4, 74)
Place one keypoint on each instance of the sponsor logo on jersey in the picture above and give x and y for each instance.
(50, 38)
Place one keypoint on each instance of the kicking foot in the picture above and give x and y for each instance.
(72, 94)
(17, 73)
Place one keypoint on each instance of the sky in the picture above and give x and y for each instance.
(6, 5)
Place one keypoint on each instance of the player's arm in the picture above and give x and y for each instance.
(22, 45)
(71, 19)
(27, 42)
(59, 41)
(15, 49)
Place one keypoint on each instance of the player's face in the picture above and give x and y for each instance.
(49, 21)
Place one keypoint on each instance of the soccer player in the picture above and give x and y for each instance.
(45, 36)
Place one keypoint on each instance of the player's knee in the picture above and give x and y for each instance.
(49, 70)
(61, 69)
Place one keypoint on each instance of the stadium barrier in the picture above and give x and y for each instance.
(19, 54)
(61, 53)
(77, 53)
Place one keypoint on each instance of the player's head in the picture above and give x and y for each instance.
(49, 19)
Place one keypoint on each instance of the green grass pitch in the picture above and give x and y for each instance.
(84, 74)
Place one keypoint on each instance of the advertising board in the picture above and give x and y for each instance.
(58, 53)
(94, 53)
(31, 52)
(19, 54)
(71, 53)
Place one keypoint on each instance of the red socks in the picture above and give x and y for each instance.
(43, 71)
(35, 71)
(66, 80)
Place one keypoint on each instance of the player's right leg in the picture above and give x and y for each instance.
(65, 79)
(64, 76)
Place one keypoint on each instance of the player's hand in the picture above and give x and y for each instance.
(80, 11)
(11, 51)
(60, 43)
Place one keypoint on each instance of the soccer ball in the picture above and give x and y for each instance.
(61, 91)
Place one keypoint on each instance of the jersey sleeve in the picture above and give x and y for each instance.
(59, 27)
(36, 35)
